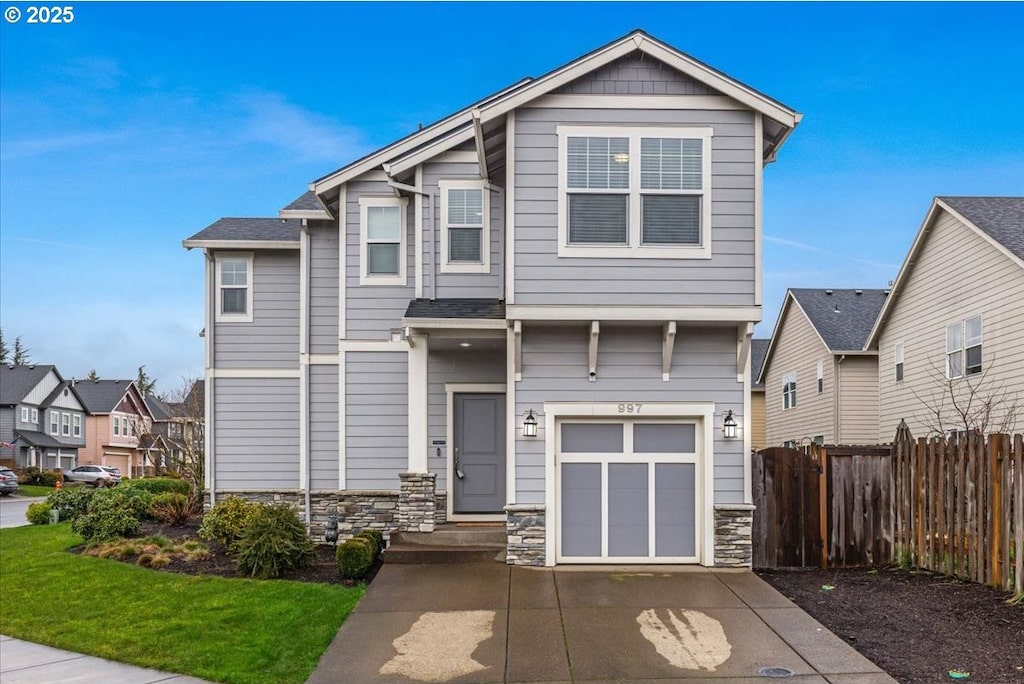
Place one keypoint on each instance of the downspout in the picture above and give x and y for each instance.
(304, 369)
(208, 385)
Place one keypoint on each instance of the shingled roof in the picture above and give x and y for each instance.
(1001, 218)
(843, 318)
(758, 350)
(18, 381)
(101, 396)
(456, 308)
(248, 230)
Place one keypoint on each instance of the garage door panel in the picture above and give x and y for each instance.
(581, 509)
(664, 438)
(628, 519)
(675, 509)
(592, 438)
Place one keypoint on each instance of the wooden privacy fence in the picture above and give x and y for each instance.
(959, 507)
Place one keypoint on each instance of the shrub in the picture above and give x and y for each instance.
(354, 558)
(38, 513)
(274, 541)
(41, 478)
(112, 513)
(158, 485)
(376, 537)
(170, 508)
(227, 520)
(71, 501)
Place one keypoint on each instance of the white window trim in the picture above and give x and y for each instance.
(234, 317)
(635, 249)
(364, 261)
(820, 371)
(786, 379)
(962, 349)
(899, 354)
(76, 425)
(24, 414)
(65, 424)
(485, 232)
(54, 422)
(34, 416)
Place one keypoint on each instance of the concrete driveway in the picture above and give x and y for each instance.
(485, 622)
(12, 510)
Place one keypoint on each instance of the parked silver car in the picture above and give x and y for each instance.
(94, 475)
(8, 481)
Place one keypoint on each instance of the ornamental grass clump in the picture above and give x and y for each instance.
(170, 508)
(273, 542)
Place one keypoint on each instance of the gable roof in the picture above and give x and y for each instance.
(842, 318)
(160, 410)
(305, 206)
(999, 220)
(235, 233)
(758, 351)
(58, 390)
(504, 101)
(17, 381)
(103, 396)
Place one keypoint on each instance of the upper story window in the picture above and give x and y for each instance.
(54, 422)
(382, 234)
(76, 425)
(898, 362)
(234, 288)
(788, 391)
(34, 416)
(821, 376)
(65, 424)
(465, 234)
(117, 426)
(963, 348)
(634, 192)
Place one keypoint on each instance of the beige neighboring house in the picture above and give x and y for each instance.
(117, 419)
(820, 383)
(758, 349)
(954, 323)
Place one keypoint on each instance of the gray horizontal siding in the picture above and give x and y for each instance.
(461, 284)
(628, 369)
(271, 340)
(377, 419)
(464, 366)
(256, 433)
(323, 427)
(636, 75)
(371, 311)
(541, 277)
(323, 288)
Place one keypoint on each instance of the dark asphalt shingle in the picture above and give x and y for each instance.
(843, 318)
(758, 350)
(1002, 218)
(39, 439)
(18, 381)
(251, 229)
(456, 308)
(101, 396)
(305, 202)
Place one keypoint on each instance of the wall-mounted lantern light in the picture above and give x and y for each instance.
(729, 426)
(529, 424)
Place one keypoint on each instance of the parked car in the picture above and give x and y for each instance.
(94, 475)
(8, 481)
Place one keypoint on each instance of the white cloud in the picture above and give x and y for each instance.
(269, 118)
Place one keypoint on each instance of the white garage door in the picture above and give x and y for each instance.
(627, 491)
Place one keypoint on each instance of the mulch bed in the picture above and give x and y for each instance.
(222, 564)
(917, 626)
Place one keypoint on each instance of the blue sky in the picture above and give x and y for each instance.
(136, 125)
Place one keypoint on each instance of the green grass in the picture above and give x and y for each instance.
(34, 490)
(228, 630)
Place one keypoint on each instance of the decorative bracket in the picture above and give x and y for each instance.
(517, 351)
(743, 335)
(481, 151)
(668, 343)
(595, 333)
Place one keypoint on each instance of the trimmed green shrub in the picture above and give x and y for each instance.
(375, 536)
(71, 501)
(38, 513)
(158, 485)
(354, 558)
(113, 513)
(227, 520)
(40, 478)
(274, 541)
(170, 508)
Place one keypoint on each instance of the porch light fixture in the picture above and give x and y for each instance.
(529, 424)
(729, 426)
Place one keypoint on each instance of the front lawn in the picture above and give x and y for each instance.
(34, 490)
(229, 630)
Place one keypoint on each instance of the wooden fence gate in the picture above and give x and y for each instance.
(787, 513)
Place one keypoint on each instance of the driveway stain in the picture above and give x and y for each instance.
(439, 646)
(693, 640)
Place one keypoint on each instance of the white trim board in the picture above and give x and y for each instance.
(700, 314)
(240, 244)
(268, 373)
(445, 264)
(450, 390)
(669, 102)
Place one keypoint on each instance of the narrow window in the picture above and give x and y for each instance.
(671, 183)
(954, 351)
(821, 376)
(789, 391)
(76, 425)
(465, 238)
(972, 345)
(963, 348)
(24, 414)
(65, 424)
(234, 287)
(597, 179)
(117, 426)
(899, 362)
(382, 232)
(54, 422)
(35, 416)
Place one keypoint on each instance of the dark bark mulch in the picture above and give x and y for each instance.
(917, 626)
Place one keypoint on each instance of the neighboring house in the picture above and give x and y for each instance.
(821, 384)
(117, 418)
(42, 420)
(953, 327)
(758, 438)
(177, 430)
(537, 311)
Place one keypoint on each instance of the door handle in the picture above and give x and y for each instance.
(458, 470)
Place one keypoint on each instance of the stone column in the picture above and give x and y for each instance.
(525, 524)
(416, 502)
(733, 524)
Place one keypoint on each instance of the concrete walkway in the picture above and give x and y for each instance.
(485, 622)
(23, 661)
(13, 508)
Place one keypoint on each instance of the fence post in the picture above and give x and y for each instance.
(823, 506)
(918, 494)
(995, 505)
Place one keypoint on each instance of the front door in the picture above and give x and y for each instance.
(478, 453)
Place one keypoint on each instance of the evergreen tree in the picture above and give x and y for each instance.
(21, 353)
(5, 353)
(92, 376)
(143, 382)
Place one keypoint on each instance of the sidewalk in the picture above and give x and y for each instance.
(23, 661)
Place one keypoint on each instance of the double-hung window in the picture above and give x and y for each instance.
(65, 424)
(234, 288)
(465, 234)
(634, 192)
(35, 416)
(382, 231)
(54, 422)
(24, 414)
(898, 371)
(821, 376)
(76, 425)
(789, 391)
(963, 348)
(117, 426)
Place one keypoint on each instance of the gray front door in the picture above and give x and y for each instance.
(478, 471)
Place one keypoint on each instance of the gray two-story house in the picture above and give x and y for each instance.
(536, 311)
(42, 419)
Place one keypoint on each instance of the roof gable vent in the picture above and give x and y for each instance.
(828, 292)
(858, 292)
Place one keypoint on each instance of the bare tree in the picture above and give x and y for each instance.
(187, 403)
(971, 403)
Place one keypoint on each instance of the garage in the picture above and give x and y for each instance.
(628, 490)
(121, 462)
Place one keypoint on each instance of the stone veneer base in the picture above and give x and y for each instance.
(525, 525)
(733, 525)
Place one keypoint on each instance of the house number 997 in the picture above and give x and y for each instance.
(629, 408)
